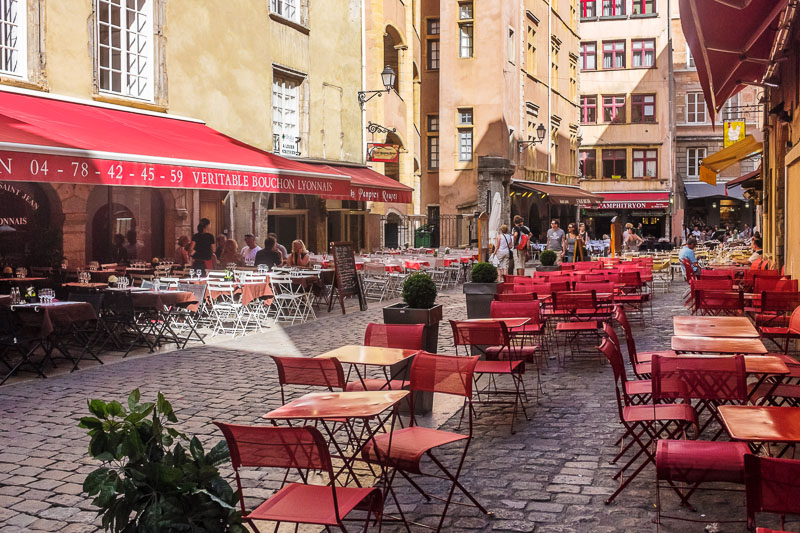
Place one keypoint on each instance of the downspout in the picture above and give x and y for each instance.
(671, 133)
(363, 79)
(549, 89)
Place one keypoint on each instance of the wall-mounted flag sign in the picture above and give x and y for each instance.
(383, 153)
(733, 131)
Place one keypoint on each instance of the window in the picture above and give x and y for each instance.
(613, 8)
(465, 29)
(554, 65)
(285, 115)
(510, 48)
(464, 134)
(587, 167)
(614, 109)
(695, 108)
(614, 54)
(643, 53)
(645, 164)
(465, 11)
(694, 156)
(614, 164)
(553, 149)
(588, 56)
(433, 152)
(689, 58)
(13, 38)
(573, 78)
(530, 55)
(286, 9)
(573, 11)
(433, 123)
(644, 7)
(433, 26)
(433, 54)
(588, 109)
(588, 9)
(643, 108)
(125, 47)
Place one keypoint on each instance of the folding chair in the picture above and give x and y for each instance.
(719, 303)
(775, 308)
(643, 423)
(121, 318)
(404, 449)
(311, 371)
(226, 308)
(535, 329)
(579, 316)
(631, 293)
(287, 299)
(300, 449)
(402, 336)
(506, 359)
(636, 391)
(15, 338)
(191, 317)
(771, 486)
(516, 297)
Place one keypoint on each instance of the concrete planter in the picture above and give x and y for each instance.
(479, 298)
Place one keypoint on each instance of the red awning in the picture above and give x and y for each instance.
(54, 140)
(366, 185)
(559, 194)
(742, 179)
(731, 42)
(634, 200)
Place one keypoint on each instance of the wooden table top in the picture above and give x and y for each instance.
(713, 326)
(761, 423)
(729, 345)
(509, 322)
(324, 405)
(369, 355)
(765, 364)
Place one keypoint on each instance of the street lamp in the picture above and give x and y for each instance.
(388, 77)
(540, 131)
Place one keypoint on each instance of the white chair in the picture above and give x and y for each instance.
(287, 300)
(226, 309)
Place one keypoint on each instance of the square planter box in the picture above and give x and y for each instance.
(479, 298)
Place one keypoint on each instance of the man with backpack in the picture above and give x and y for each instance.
(521, 235)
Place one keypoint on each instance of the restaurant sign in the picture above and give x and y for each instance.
(370, 194)
(383, 153)
(29, 166)
(626, 204)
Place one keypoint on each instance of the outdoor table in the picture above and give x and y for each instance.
(510, 323)
(156, 305)
(374, 356)
(101, 276)
(328, 408)
(759, 424)
(723, 345)
(84, 287)
(249, 290)
(713, 326)
(22, 281)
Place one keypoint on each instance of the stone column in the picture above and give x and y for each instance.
(494, 176)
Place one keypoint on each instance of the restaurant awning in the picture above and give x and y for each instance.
(58, 140)
(711, 165)
(366, 185)
(558, 194)
(731, 42)
(634, 200)
(698, 189)
(747, 181)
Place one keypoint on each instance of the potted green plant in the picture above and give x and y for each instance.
(154, 478)
(418, 307)
(548, 260)
(480, 290)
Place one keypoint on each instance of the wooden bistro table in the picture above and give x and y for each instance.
(758, 425)
(722, 345)
(714, 326)
(331, 408)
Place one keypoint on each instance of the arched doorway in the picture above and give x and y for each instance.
(391, 231)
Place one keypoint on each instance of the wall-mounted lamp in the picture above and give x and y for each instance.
(714, 205)
(540, 132)
(388, 77)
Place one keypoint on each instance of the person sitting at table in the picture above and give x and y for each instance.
(269, 255)
(249, 252)
(221, 238)
(299, 256)
(757, 257)
(119, 254)
(278, 246)
(181, 256)
(230, 254)
(687, 253)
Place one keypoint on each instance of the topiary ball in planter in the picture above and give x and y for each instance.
(484, 273)
(419, 291)
(548, 258)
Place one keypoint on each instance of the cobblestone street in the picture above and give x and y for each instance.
(551, 476)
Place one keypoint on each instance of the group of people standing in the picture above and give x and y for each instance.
(203, 252)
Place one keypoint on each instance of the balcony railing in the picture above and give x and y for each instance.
(285, 145)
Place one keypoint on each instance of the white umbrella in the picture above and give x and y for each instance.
(494, 217)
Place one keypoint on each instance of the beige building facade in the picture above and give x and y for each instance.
(285, 81)
(627, 101)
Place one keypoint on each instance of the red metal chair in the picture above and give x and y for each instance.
(686, 464)
(403, 449)
(705, 284)
(631, 293)
(516, 296)
(637, 391)
(717, 274)
(533, 330)
(791, 331)
(596, 277)
(643, 423)
(315, 372)
(298, 449)
(688, 270)
(719, 303)
(771, 486)
(640, 361)
(599, 287)
(579, 316)
(507, 359)
(775, 308)
(560, 286)
(564, 267)
(774, 284)
(749, 277)
(541, 288)
(402, 336)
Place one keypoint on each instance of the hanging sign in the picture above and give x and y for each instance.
(383, 153)
(733, 131)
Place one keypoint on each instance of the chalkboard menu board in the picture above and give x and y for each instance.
(347, 282)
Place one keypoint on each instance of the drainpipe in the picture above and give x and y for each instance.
(363, 79)
(549, 89)
(671, 222)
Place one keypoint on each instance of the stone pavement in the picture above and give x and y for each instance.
(551, 476)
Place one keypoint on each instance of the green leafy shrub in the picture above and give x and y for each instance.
(419, 291)
(548, 258)
(484, 273)
(154, 478)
